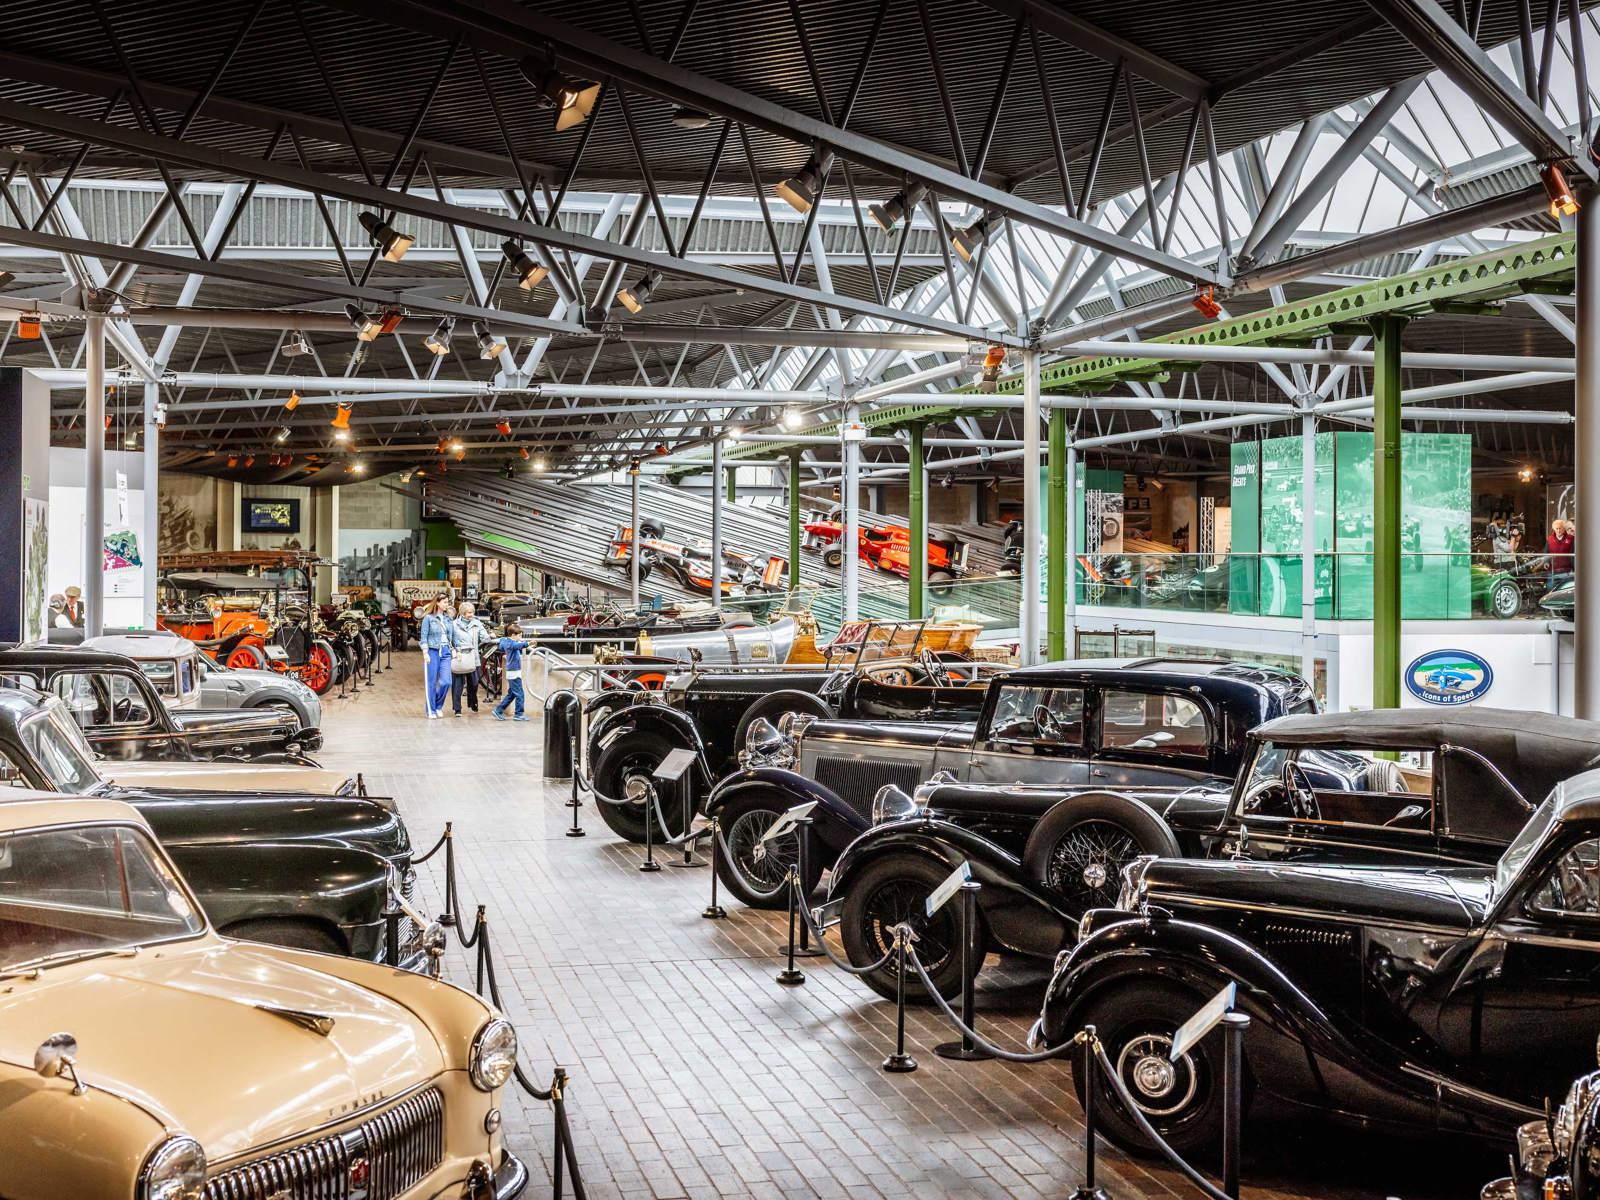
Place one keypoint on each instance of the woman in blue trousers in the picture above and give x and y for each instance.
(435, 641)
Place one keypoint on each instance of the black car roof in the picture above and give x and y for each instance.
(59, 656)
(221, 582)
(1176, 671)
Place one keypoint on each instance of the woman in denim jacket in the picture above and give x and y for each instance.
(435, 640)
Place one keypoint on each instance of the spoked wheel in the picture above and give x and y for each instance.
(623, 770)
(1085, 866)
(895, 889)
(317, 671)
(753, 871)
(247, 656)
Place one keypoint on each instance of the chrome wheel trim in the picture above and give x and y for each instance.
(1088, 860)
(764, 875)
(1162, 1088)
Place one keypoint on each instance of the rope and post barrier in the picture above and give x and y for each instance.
(649, 864)
(714, 911)
(899, 1063)
(792, 976)
(967, 1049)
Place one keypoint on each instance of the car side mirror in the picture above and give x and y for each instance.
(56, 1056)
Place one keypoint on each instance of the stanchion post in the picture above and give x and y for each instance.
(1233, 1026)
(575, 803)
(714, 911)
(686, 807)
(448, 917)
(967, 1049)
(649, 863)
(792, 976)
(900, 1062)
(802, 834)
(480, 939)
(558, 1083)
(1089, 1189)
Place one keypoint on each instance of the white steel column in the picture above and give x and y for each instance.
(94, 484)
(1586, 448)
(1308, 548)
(716, 523)
(850, 496)
(634, 549)
(1072, 550)
(1028, 616)
(150, 538)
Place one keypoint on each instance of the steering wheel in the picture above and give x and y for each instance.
(1302, 798)
(1268, 798)
(1045, 723)
(933, 668)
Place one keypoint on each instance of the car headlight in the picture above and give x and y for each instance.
(762, 739)
(494, 1055)
(1134, 890)
(1585, 1091)
(890, 803)
(175, 1170)
(793, 724)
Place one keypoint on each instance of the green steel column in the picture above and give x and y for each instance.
(1386, 512)
(918, 477)
(733, 484)
(1055, 524)
(794, 520)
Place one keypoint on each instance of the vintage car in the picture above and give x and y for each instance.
(240, 687)
(1166, 724)
(1410, 786)
(293, 868)
(712, 711)
(690, 566)
(1450, 999)
(1557, 1155)
(145, 1056)
(123, 715)
(888, 548)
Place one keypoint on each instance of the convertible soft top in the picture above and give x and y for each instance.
(194, 581)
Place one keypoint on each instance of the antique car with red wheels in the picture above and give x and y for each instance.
(1413, 786)
(1419, 998)
(144, 1055)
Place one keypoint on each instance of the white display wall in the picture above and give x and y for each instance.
(124, 514)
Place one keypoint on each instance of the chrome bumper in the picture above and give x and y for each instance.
(511, 1178)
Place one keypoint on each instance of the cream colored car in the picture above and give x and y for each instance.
(145, 1057)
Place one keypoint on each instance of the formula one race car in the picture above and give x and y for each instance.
(888, 548)
(690, 566)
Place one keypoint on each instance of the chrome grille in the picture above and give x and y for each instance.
(399, 1146)
(856, 781)
(408, 886)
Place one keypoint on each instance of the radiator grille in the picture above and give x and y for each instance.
(856, 781)
(377, 1160)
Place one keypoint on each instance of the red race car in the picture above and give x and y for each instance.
(888, 548)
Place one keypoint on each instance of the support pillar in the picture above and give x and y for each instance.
(1056, 533)
(94, 481)
(150, 536)
(325, 541)
(1308, 548)
(1069, 555)
(1386, 512)
(1586, 447)
(850, 497)
(1028, 615)
(733, 484)
(917, 519)
(794, 521)
(716, 526)
(634, 539)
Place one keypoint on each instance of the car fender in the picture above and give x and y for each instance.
(1021, 915)
(1296, 1049)
(834, 823)
(649, 717)
(333, 886)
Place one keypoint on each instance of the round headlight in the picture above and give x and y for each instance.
(793, 724)
(175, 1170)
(494, 1054)
(761, 738)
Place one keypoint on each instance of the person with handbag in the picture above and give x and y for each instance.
(466, 632)
(435, 640)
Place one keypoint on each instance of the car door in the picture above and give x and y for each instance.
(1522, 1015)
(1030, 734)
(1147, 737)
(119, 717)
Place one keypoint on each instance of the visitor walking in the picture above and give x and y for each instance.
(435, 642)
(466, 632)
(511, 648)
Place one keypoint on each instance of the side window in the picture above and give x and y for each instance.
(10, 774)
(101, 701)
(1153, 723)
(1573, 889)
(1032, 714)
(1392, 789)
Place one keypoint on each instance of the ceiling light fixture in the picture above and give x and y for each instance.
(966, 241)
(905, 201)
(993, 359)
(358, 467)
(691, 118)
(530, 274)
(489, 346)
(503, 428)
(30, 327)
(385, 236)
(1562, 202)
(1205, 302)
(283, 435)
(634, 298)
(800, 191)
(438, 342)
(367, 328)
(522, 453)
(539, 464)
(292, 403)
(341, 423)
(793, 418)
(295, 346)
(573, 99)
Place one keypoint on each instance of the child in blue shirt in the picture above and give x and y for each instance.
(511, 648)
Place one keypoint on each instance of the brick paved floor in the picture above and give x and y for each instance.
(695, 1075)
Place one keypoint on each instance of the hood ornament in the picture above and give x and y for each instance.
(56, 1056)
(318, 1023)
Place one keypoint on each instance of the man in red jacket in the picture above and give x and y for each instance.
(1560, 546)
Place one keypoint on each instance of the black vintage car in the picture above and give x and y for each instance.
(1453, 999)
(123, 716)
(1099, 725)
(310, 871)
(1407, 786)
(712, 711)
(1557, 1155)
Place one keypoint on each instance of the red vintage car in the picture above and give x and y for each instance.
(888, 548)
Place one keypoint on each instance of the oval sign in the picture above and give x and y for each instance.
(1448, 677)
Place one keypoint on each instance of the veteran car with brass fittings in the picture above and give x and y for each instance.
(1420, 998)
(197, 1067)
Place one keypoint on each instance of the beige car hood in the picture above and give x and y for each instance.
(224, 777)
(184, 1032)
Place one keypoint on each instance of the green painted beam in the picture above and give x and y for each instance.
(918, 523)
(1055, 523)
(1386, 466)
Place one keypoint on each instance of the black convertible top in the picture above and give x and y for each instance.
(196, 581)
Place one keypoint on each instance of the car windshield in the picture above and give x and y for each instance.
(1524, 844)
(84, 891)
(56, 743)
(161, 674)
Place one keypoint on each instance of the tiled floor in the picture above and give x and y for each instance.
(695, 1075)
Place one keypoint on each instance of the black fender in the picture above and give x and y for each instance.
(341, 888)
(224, 821)
(834, 823)
(671, 723)
(1295, 1049)
(1021, 914)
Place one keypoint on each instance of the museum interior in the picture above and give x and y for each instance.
(1036, 541)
